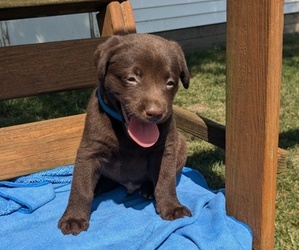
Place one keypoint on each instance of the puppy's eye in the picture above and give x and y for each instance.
(131, 80)
(170, 84)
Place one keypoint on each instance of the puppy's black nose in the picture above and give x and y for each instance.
(154, 114)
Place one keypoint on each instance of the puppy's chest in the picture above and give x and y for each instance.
(130, 171)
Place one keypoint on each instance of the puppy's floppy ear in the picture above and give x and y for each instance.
(184, 74)
(103, 54)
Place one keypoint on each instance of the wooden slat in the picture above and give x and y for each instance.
(17, 9)
(117, 19)
(37, 146)
(33, 147)
(212, 132)
(254, 57)
(42, 68)
(201, 127)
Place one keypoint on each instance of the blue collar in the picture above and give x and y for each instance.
(108, 110)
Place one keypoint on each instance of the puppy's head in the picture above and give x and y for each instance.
(139, 75)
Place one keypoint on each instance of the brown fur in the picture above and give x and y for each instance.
(142, 72)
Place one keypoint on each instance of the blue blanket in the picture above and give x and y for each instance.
(31, 206)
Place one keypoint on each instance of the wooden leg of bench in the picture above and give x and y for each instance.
(254, 58)
(116, 19)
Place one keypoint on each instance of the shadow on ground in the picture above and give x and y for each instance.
(210, 164)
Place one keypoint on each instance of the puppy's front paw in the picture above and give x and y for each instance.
(72, 225)
(173, 212)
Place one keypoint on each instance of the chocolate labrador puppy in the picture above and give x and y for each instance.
(130, 137)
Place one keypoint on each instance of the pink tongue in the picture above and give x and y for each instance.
(144, 134)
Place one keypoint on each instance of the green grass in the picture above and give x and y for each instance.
(18, 111)
(287, 213)
(206, 96)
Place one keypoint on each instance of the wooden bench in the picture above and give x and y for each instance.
(29, 70)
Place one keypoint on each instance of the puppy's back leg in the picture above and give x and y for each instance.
(105, 185)
(147, 190)
(181, 153)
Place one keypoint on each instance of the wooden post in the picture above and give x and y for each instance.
(116, 19)
(254, 57)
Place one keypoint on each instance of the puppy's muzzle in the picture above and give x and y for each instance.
(153, 114)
